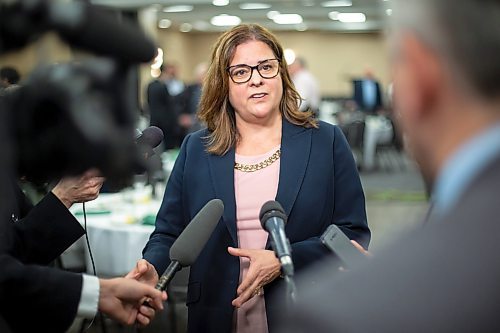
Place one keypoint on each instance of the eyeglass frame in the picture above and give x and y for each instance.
(256, 67)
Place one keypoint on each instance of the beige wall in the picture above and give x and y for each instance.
(47, 50)
(333, 58)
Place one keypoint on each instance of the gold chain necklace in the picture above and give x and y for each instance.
(258, 166)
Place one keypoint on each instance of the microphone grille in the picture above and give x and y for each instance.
(193, 238)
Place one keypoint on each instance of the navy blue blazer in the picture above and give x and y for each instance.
(318, 185)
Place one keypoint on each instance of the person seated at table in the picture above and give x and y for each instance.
(257, 147)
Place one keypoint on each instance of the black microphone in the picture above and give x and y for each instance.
(273, 218)
(150, 138)
(191, 241)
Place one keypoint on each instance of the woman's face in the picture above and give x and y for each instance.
(258, 100)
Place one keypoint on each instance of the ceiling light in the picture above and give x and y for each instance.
(178, 9)
(224, 20)
(287, 19)
(220, 2)
(352, 17)
(186, 27)
(337, 3)
(254, 5)
(388, 11)
(271, 14)
(333, 15)
(164, 23)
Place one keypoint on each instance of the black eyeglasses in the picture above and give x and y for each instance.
(267, 69)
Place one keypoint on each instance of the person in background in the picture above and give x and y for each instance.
(443, 277)
(8, 76)
(306, 85)
(164, 96)
(189, 119)
(257, 147)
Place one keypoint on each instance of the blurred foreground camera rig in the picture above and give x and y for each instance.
(67, 118)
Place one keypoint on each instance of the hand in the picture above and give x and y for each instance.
(360, 248)
(79, 189)
(264, 268)
(122, 299)
(144, 272)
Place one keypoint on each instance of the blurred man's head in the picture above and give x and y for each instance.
(8, 76)
(446, 74)
(296, 66)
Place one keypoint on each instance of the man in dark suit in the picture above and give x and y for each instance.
(165, 100)
(443, 277)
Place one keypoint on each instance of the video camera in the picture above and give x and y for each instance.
(66, 118)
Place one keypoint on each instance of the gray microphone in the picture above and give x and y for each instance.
(273, 218)
(191, 241)
(151, 137)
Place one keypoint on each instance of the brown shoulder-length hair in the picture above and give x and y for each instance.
(215, 109)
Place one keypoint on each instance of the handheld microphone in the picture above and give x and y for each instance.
(191, 241)
(273, 218)
(151, 137)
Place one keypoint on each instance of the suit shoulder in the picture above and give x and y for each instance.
(327, 129)
(196, 140)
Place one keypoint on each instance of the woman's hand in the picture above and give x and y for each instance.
(144, 272)
(264, 268)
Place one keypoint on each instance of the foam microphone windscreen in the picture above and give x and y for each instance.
(150, 137)
(193, 238)
(271, 208)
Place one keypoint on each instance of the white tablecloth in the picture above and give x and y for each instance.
(115, 232)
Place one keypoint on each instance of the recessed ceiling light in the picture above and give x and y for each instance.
(224, 20)
(388, 11)
(164, 23)
(271, 14)
(178, 9)
(186, 27)
(220, 2)
(333, 15)
(352, 17)
(337, 3)
(254, 5)
(287, 19)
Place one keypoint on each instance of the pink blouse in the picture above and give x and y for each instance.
(252, 190)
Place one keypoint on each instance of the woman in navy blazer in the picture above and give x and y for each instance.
(318, 181)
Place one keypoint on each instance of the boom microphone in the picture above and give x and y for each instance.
(191, 241)
(273, 218)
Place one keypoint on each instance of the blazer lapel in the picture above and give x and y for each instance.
(295, 151)
(222, 174)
